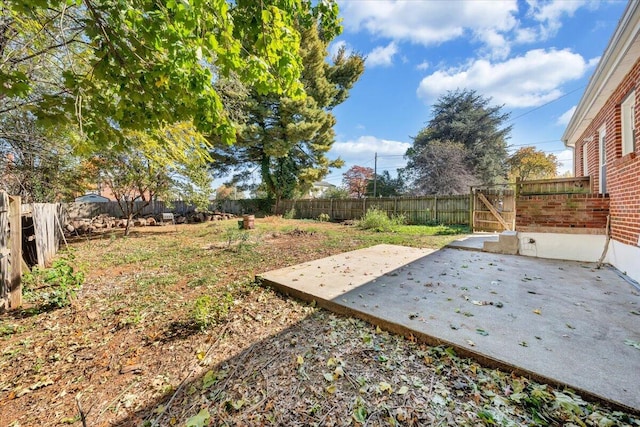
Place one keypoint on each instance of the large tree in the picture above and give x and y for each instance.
(36, 163)
(168, 163)
(357, 179)
(464, 117)
(440, 168)
(530, 163)
(287, 139)
(386, 186)
(134, 65)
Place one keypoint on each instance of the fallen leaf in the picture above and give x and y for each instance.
(403, 390)
(471, 343)
(328, 376)
(201, 419)
(331, 389)
(482, 332)
(385, 386)
(537, 311)
(632, 343)
(300, 360)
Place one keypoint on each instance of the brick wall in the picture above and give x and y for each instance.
(623, 172)
(587, 211)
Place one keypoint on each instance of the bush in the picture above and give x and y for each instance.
(53, 287)
(290, 214)
(323, 217)
(209, 310)
(378, 220)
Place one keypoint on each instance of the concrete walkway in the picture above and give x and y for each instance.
(561, 322)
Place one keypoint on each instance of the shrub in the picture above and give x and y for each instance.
(323, 217)
(290, 214)
(378, 220)
(55, 286)
(209, 310)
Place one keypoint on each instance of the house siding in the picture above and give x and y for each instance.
(623, 172)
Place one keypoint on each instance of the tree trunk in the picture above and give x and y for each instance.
(127, 226)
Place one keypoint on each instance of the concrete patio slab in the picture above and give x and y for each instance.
(474, 242)
(561, 322)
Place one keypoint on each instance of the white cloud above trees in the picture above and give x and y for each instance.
(524, 81)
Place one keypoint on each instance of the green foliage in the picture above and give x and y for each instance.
(324, 217)
(290, 214)
(122, 66)
(530, 163)
(167, 163)
(464, 119)
(378, 220)
(237, 239)
(38, 164)
(55, 286)
(210, 310)
(335, 193)
(386, 186)
(287, 138)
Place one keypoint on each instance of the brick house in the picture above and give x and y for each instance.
(602, 134)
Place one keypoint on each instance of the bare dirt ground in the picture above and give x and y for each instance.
(169, 329)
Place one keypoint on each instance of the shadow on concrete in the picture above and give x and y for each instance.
(560, 322)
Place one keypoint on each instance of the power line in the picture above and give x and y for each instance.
(546, 103)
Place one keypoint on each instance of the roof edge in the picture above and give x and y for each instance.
(616, 50)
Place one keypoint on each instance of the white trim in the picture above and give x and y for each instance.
(617, 60)
(585, 158)
(602, 159)
(627, 119)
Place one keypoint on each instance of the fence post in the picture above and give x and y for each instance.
(471, 202)
(364, 207)
(435, 208)
(15, 221)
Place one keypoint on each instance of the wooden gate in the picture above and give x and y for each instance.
(494, 208)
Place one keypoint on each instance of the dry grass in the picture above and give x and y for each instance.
(133, 350)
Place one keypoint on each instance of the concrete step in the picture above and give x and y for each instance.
(507, 244)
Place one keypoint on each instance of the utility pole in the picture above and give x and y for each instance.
(375, 173)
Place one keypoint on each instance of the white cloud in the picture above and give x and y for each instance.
(365, 146)
(565, 158)
(432, 22)
(336, 46)
(550, 13)
(563, 120)
(382, 55)
(496, 25)
(422, 66)
(525, 81)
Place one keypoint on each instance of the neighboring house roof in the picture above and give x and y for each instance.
(323, 184)
(617, 60)
(92, 198)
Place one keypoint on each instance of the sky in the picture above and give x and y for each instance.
(533, 57)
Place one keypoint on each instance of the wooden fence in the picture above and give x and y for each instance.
(577, 185)
(417, 210)
(10, 252)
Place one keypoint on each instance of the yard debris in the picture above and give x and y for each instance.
(270, 360)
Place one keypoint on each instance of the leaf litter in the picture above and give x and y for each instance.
(271, 361)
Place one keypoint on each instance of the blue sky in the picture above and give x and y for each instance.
(535, 57)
